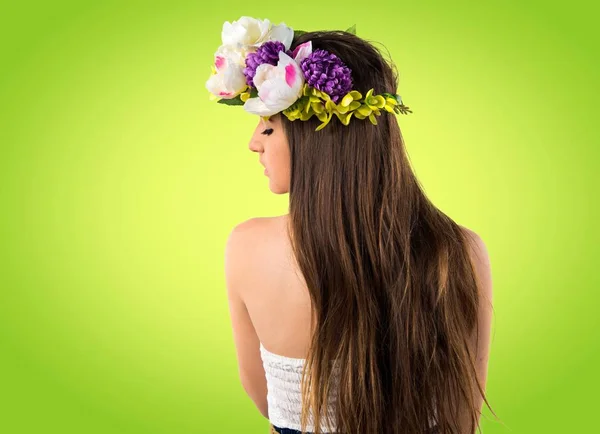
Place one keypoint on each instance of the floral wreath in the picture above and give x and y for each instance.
(254, 67)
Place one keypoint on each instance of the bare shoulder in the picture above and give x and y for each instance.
(255, 228)
(249, 226)
(480, 258)
(252, 246)
(476, 242)
(249, 238)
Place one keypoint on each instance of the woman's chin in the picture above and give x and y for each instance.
(275, 189)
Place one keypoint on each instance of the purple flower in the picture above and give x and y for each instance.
(326, 72)
(266, 53)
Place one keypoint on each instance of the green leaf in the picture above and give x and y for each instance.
(352, 29)
(393, 95)
(253, 92)
(298, 33)
(231, 101)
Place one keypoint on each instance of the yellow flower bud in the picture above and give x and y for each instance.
(364, 110)
(379, 101)
(320, 127)
(350, 97)
(354, 105)
(322, 116)
(344, 118)
(318, 107)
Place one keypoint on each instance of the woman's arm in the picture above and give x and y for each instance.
(480, 342)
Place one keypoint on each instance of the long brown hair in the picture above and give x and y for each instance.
(393, 291)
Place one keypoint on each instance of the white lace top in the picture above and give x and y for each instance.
(283, 392)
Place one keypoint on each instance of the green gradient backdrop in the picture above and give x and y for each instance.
(120, 182)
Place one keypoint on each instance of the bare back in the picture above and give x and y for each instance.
(276, 295)
(277, 298)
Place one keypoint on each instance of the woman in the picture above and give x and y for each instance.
(381, 298)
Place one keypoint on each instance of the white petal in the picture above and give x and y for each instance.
(226, 33)
(232, 54)
(283, 34)
(264, 26)
(303, 51)
(214, 84)
(277, 95)
(257, 107)
(234, 79)
(253, 33)
(263, 72)
(232, 34)
(228, 82)
(284, 61)
(244, 31)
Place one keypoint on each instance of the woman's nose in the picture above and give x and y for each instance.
(254, 146)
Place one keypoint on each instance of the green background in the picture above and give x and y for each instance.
(120, 182)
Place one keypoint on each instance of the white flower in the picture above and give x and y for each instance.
(228, 79)
(278, 86)
(250, 32)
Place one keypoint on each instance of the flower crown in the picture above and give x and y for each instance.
(254, 67)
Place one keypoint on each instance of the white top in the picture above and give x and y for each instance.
(284, 394)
